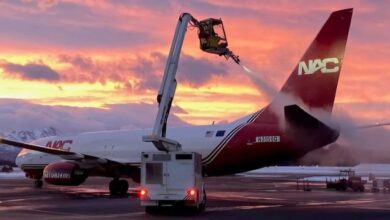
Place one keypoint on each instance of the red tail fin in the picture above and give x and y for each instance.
(314, 79)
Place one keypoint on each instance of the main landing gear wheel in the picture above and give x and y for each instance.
(118, 187)
(38, 183)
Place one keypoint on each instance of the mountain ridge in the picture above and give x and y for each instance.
(9, 153)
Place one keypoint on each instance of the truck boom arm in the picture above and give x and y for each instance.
(168, 88)
(210, 42)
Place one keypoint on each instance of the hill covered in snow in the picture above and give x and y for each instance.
(9, 153)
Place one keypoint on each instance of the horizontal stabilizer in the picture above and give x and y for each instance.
(308, 127)
(299, 118)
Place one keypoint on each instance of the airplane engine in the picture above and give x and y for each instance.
(64, 173)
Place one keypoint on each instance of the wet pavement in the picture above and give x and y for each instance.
(229, 197)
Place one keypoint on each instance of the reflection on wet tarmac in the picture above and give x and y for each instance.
(229, 197)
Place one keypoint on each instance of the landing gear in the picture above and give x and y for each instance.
(38, 183)
(118, 187)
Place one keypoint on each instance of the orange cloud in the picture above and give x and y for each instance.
(108, 52)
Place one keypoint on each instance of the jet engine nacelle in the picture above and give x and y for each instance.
(64, 173)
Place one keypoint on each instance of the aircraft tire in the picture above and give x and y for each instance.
(38, 183)
(123, 187)
(114, 189)
(118, 187)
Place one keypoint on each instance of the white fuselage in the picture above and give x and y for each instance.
(126, 146)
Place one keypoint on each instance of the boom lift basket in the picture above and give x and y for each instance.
(212, 38)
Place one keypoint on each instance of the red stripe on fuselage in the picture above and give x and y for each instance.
(221, 145)
(242, 153)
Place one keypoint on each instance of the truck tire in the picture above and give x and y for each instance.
(152, 210)
(202, 206)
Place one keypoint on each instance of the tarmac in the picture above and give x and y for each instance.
(228, 197)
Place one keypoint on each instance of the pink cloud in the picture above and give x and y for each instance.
(270, 36)
(19, 114)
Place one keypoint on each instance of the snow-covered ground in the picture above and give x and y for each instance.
(327, 178)
(297, 170)
(16, 174)
(315, 172)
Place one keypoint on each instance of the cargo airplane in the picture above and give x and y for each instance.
(278, 133)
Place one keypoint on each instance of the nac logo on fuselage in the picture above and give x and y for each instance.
(326, 65)
(59, 144)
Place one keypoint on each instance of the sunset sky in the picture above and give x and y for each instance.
(92, 65)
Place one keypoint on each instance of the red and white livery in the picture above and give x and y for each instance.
(282, 131)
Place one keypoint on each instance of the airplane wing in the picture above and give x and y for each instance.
(129, 170)
(374, 125)
(67, 155)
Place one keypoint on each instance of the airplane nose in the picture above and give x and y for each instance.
(20, 159)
